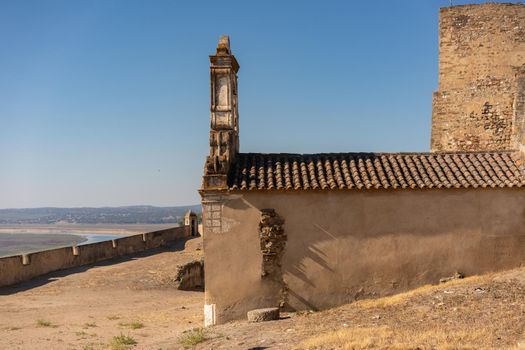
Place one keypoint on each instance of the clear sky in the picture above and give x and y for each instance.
(106, 103)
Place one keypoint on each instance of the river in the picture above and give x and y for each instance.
(27, 242)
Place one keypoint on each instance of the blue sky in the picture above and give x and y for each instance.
(106, 103)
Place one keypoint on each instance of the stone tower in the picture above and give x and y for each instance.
(479, 105)
(224, 126)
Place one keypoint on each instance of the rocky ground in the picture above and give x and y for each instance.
(135, 298)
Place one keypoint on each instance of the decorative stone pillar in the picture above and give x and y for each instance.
(224, 116)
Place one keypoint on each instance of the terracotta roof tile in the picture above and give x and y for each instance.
(345, 171)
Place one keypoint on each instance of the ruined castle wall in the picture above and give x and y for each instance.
(20, 268)
(341, 247)
(481, 48)
(519, 108)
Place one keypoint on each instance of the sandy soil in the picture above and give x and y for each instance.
(87, 306)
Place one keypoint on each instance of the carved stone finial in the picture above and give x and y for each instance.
(223, 48)
(224, 114)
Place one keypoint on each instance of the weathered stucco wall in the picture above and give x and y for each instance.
(343, 246)
(481, 49)
(19, 268)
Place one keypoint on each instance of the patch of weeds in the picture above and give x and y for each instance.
(81, 334)
(132, 325)
(122, 342)
(89, 325)
(113, 317)
(192, 337)
(13, 328)
(45, 323)
(88, 347)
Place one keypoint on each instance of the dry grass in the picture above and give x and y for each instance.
(192, 337)
(122, 342)
(387, 338)
(45, 323)
(402, 297)
(132, 325)
(81, 334)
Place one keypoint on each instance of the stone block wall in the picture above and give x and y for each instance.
(519, 110)
(481, 51)
(212, 212)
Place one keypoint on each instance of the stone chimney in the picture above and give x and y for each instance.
(224, 126)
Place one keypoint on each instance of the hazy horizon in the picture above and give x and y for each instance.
(106, 103)
(104, 206)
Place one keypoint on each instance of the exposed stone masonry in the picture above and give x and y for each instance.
(190, 276)
(273, 242)
(481, 48)
(519, 108)
(488, 124)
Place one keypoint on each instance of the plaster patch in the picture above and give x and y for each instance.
(228, 224)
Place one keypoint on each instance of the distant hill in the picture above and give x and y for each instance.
(139, 214)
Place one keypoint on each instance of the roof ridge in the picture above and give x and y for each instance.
(378, 153)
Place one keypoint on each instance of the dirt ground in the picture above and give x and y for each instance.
(486, 312)
(84, 308)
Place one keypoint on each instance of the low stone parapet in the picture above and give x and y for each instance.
(20, 268)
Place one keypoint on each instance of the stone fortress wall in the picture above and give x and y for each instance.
(20, 268)
(479, 102)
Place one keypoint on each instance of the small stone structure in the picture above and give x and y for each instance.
(190, 276)
(262, 315)
(190, 220)
(365, 225)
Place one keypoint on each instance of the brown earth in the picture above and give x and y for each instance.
(86, 310)
(486, 312)
(87, 306)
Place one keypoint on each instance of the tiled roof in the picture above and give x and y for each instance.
(345, 171)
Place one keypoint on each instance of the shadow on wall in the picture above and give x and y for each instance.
(343, 247)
